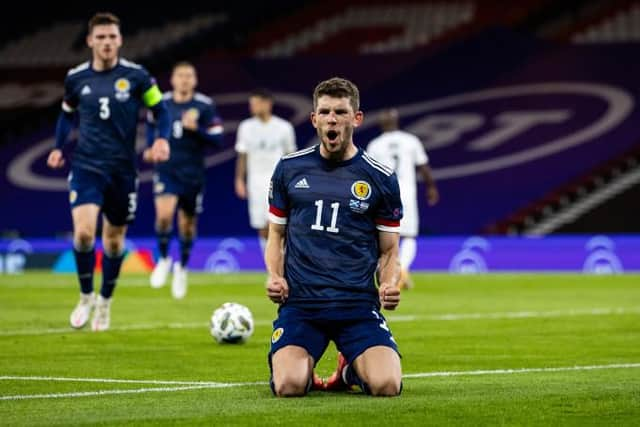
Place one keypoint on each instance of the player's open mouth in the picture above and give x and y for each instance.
(332, 135)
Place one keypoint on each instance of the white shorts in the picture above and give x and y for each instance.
(410, 221)
(258, 200)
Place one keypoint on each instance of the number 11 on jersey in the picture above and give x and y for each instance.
(334, 217)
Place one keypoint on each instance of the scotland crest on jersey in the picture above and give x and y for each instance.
(122, 87)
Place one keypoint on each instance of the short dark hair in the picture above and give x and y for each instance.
(263, 93)
(182, 64)
(337, 87)
(103, 18)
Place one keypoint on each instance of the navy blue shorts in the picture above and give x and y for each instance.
(353, 330)
(116, 194)
(189, 195)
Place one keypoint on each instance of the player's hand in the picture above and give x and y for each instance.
(241, 189)
(432, 195)
(55, 159)
(159, 151)
(277, 289)
(389, 296)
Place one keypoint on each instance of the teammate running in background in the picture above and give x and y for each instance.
(261, 141)
(404, 153)
(106, 94)
(179, 183)
(334, 219)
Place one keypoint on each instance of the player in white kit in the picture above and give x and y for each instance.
(404, 153)
(261, 141)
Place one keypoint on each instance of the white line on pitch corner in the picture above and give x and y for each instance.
(391, 318)
(197, 385)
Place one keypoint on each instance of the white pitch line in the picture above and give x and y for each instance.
(211, 385)
(530, 314)
(107, 380)
(131, 391)
(391, 318)
(522, 371)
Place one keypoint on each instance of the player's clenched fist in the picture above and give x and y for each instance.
(159, 151)
(277, 289)
(389, 296)
(55, 159)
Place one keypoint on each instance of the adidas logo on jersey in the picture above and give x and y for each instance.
(302, 183)
(86, 90)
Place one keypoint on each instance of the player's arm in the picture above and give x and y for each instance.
(64, 125)
(388, 267)
(432, 194)
(240, 181)
(388, 219)
(150, 129)
(152, 99)
(241, 176)
(208, 127)
(424, 171)
(277, 288)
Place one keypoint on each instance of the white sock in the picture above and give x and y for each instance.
(407, 252)
(263, 243)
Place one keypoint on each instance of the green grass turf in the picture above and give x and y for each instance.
(169, 340)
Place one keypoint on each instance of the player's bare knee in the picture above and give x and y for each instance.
(291, 386)
(84, 239)
(163, 224)
(188, 234)
(385, 386)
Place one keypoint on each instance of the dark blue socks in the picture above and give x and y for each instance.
(85, 263)
(110, 270)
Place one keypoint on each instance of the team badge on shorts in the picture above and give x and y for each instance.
(122, 87)
(73, 196)
(361, 190)
(276, 335)
(158, 187)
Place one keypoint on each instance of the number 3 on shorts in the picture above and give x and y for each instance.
(133, 205)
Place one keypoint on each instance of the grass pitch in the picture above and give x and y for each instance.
(480, 350)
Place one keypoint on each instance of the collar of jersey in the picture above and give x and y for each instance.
(331, 164)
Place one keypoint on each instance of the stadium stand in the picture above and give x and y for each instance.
(416, 52)
(620, 25)
(603, 199)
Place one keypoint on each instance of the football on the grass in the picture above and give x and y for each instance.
(231, 323)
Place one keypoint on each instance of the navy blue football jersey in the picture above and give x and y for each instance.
(333, 213)
(186, 162)
(108, 103)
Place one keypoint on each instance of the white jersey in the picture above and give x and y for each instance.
(402, 152)
(264, 143)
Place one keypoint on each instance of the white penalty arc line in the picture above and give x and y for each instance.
(198, 385)
(390, 318)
